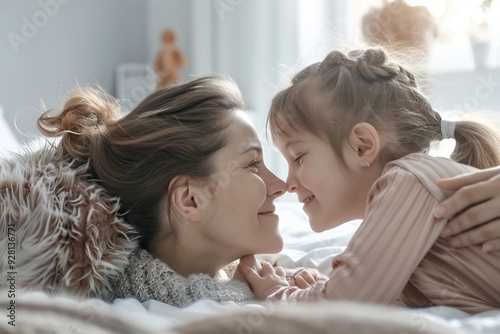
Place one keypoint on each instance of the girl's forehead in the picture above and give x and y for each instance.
(291, 139)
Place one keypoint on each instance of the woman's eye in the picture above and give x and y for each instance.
(255, 164)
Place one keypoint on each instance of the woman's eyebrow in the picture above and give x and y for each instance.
(255, 147)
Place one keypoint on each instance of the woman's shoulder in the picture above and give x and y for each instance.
(41, 161)
(39, 185)
(141, 261)
(147, 277)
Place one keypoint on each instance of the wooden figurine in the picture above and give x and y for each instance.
(169, 61)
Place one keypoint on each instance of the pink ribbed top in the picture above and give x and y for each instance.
(397, 256)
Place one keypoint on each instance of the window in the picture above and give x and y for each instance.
(461, 23)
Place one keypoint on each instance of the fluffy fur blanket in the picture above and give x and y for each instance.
(59, 231)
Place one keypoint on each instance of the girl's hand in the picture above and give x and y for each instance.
(263, 281)
(251, 261)
(304, 278)
(474, 209)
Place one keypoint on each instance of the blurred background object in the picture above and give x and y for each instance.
(170, 60)
(399, 26)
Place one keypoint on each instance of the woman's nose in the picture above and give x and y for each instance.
(276, 186)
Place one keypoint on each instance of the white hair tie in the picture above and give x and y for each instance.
(447, 129)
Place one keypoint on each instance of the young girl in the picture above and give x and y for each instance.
(180, 163)
(355, 131)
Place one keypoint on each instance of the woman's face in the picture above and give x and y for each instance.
(244, 219)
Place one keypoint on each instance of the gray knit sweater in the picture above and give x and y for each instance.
(149, 278)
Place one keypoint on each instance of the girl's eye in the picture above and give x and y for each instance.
(299, 160)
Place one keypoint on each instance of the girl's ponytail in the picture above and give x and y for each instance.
(476, 145)
(81, 121)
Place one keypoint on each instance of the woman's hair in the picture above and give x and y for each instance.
(174, 131)
(329, 97)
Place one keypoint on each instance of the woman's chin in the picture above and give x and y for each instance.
(275, 247)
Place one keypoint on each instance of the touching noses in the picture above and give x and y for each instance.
(275, 186)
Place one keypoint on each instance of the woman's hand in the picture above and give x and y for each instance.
(263, 281)
(474, 209)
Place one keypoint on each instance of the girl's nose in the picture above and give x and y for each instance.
(291, 184)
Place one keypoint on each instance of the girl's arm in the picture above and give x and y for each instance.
(397, 232)
(474, 209)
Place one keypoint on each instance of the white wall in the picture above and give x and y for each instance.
(246, 40)
(466, 91)
(47, 47)
(50, 46)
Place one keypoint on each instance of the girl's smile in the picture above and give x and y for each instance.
(307, 201)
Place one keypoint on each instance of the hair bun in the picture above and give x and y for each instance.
(373, 64)
(85, 113)
(335, 59)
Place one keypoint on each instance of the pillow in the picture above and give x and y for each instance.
(61, 231)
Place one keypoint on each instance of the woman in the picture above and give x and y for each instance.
(187, 166)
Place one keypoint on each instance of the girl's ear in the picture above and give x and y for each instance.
(365, 140)
(187, 199)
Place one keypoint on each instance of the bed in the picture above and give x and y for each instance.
(40, 312)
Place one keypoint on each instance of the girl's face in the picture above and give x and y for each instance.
(331, 195)
(244, 219)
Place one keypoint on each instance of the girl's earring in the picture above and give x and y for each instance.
(366, 162)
